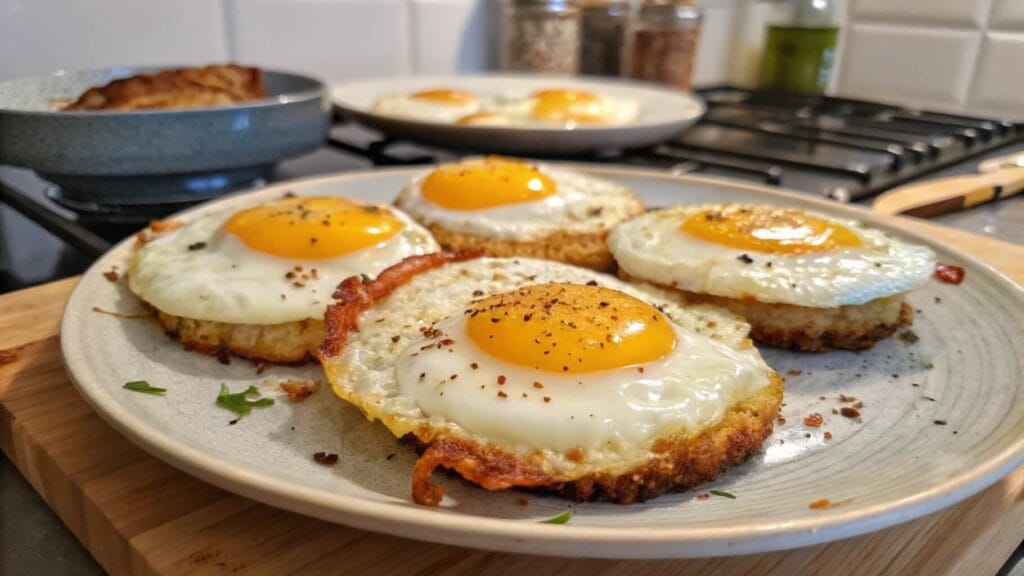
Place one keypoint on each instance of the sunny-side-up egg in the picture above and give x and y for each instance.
(561, 372)
(272, 263)
(769, 254)
(565, 107)
(440, 105)
(507, 198)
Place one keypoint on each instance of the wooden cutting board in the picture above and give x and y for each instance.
(137, 515)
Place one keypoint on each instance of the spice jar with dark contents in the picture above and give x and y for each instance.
(541, 36)
(663, 42)
(602, 36)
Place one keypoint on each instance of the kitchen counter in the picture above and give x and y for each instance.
(34, 541)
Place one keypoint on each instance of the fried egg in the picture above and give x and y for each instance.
(568, 108)
(547, 361)
(769, 254)
(271, 263)
(441, 105)
(506, 198)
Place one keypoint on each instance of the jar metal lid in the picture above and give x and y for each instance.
(669, 12)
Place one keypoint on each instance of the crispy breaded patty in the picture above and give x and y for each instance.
(675, 463)
(585, 249)
(852, 327)
(286, 343)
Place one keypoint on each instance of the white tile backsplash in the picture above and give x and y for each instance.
(41, 36)
(998, 85)
(971, 13)
(957, 55)
(450, 36)
(922, 65)
(714, 49)
(1007, 15)
(334, 40)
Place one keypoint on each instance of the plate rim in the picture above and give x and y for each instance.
(518, 536)
(361, 113)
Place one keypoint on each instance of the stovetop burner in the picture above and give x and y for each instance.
(839, 148)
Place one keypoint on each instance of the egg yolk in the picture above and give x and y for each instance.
(445, 96)
(485, 183)
(480, 118)
(773, 230)
(568, 328)
(312, 228)
(568, 106)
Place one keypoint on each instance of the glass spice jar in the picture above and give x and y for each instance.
(541, 36)
(602, 36)
(663, 42)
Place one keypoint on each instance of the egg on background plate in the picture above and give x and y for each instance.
(567, 107)
(442, 105)
(531, 373)
(752, 256)
(273, 266)
(511, 207)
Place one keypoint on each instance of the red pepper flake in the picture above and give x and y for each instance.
(820, 504)
(828, 435)
(845, 398)
(703, 496)
(502, 394)
(396, 338)
(111, 274)
(474, 365)
(501, 379)
(538, 385)
(298, 390)
(780, 419)
(325, 459)
(640, 369)
(298, 284)
(547, 399)
(289, 275)
(793, 372)
(849, 412)
(453, 376)
(813, 420)
(446, 342)
(196, 246)
(949, 274)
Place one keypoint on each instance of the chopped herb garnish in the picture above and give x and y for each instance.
(723, 494)
(144, 387)
(562, 518)
(238, 402)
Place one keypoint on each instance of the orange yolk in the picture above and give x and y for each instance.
(480, 118)
(773, 230)
(485, 183)
(570, 329)
(568, 106)
(446, 96)
(312, 228)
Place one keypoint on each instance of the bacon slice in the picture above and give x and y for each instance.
(356, 294)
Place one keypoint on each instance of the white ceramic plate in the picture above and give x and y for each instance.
(663, 114)
(893, 465)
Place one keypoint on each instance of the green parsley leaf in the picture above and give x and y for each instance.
(238, 402)
(144, 387)
(723, 494)
(562, 518)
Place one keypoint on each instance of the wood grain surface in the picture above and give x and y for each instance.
(137, 515)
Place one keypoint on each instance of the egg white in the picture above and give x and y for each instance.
(519, 111)
(580, 204)
(652, 247)
(614, 415)
(405, 106)
(226, 281)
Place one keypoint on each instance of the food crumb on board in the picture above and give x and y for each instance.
(298, 390)
(325, 459)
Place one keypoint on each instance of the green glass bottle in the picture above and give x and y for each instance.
(799, 50)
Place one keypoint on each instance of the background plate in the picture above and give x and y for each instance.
(893, 464)
(663, 114)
